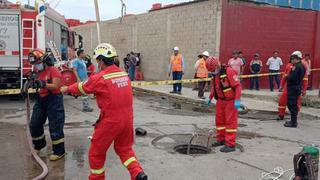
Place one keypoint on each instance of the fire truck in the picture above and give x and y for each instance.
(24, 28)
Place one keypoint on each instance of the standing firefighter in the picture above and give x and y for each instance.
(294, 87)
(49, 104)
(112, 88)
(226, 89)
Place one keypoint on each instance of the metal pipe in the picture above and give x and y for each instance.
(96, 5)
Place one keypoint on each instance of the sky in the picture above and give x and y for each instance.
(109, 9)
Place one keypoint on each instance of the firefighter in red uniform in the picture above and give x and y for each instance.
(284, 98)
(226, 89)
(113, 92)
(49, 104)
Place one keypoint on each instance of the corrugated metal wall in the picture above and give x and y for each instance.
(263, 29)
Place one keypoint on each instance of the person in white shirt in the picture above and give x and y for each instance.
(274, 63)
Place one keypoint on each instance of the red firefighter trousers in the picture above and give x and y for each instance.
(106, 132)
(283, 100)
(226, 122)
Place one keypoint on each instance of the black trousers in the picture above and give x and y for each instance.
(293, 94)
(201, 87)
(50, 107)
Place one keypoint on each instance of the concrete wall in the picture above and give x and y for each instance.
(193, 27)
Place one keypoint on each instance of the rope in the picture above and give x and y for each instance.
(276, 174)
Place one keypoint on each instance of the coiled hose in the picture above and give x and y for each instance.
(44, 167)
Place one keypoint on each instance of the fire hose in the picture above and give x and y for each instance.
(44, 167)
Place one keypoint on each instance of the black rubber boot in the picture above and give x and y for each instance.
(217, 144)
(290, 124)
(280, 118)
(227, 149)
(142, 176)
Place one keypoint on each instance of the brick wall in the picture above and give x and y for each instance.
(193, 27)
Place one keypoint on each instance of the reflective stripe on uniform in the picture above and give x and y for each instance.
(56, 142)
(223, 76)
(129, 161)
(221, 128)
(226, 90)
(231, 130)
(305, 79)
(97, 171)
(38, 138)
(80, 87)
(114, 75)
(282, 107)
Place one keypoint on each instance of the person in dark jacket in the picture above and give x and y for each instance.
(255, 68)
(294, 87)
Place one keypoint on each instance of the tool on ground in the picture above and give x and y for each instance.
(306, 163)
(25, 93)
(140, 132)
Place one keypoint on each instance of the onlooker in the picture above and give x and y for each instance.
(307, 59)
(90, 67)
(80, 71)
(255, 68)
(236, 63)
(132, 65)
(195, 88)
(274, 63)
(201, 72)
(176, 67)
(244, 62)
(126, 63)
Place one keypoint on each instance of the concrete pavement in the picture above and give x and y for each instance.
(266, 142)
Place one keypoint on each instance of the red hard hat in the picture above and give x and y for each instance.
(211, 64)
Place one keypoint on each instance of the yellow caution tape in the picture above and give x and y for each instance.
(165, 82)
(13, 91)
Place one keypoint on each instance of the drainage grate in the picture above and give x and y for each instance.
(191, 149)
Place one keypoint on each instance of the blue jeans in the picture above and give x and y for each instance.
(276, 77)
(132, 69)
(254, 81)
(178, 86)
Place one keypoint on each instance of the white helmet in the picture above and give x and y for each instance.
(206, 53)
(297, 53)
(176, 48)
(105, 50)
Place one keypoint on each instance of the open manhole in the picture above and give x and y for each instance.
(191, 149)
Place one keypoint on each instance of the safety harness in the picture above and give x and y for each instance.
(223, 81)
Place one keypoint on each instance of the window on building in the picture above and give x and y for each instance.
(306, 4)
(283, 2)
(316, 4)
(271, 1)
(295, 3)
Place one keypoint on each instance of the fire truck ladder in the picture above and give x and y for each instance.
(28, 35)
(55, 52)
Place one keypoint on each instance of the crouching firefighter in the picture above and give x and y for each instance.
(226, 89)
(49, 104)
(113, 91)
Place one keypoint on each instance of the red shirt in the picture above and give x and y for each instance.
(48, 75)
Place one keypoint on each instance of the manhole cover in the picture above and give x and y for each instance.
(191, 149)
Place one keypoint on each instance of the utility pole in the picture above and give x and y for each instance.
(98, 20)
